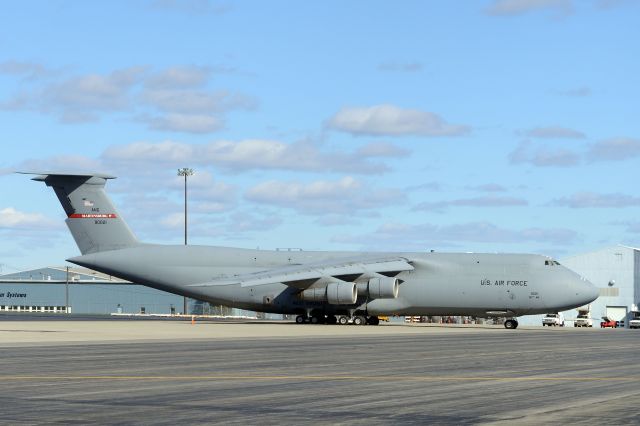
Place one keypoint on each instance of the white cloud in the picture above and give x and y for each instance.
(211, 193)
(93, 91)
(519, 7)
(593, 200)
(390, 120)
(543, 156)
(182, 100)
(287, 191)
(210, 207)
(632, 227)
(487, 201)
(252, 154)
(179, 77)
(616, 149)
(381, 149)
(244, 222)
(190, 101)
(27, 70)
(428, 186)
(400, 66)
(172, 99)
(188, 123)
(429, 235)
(173, 220)
(165, 152)
(488, 187)
(10, 218)
(611, 4)
(575, 92)
(67, 163)
(555, 132)
(336, 220)
(344, 196)
(77, 99)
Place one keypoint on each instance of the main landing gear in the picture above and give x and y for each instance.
(511, 324)
(339, 319)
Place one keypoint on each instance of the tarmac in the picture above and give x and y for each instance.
(251, 372)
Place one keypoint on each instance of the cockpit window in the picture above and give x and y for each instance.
(551, 262)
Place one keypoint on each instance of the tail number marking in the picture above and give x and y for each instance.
(99, 219)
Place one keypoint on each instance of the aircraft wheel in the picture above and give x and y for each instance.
(359, 320)
(511, 324)
(317, 320)
(373, 320)
(342, 320)
(300, 319)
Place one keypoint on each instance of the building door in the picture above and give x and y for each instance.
(617, 313)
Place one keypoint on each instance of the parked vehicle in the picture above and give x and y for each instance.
(634, 322)
(584, 317)
(554, 320)
(608, 323)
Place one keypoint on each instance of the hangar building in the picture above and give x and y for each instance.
(80, 290)
(616, 272)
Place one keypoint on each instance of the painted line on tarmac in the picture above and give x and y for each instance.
(323, 378)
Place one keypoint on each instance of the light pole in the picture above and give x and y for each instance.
(186, 172)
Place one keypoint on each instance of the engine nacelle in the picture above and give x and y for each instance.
(314, 294)
(342, 293)
(383, 288)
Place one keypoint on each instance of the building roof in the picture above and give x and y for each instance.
(602, 249)
(58, 274)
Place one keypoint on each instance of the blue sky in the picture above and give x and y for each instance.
(497, 125)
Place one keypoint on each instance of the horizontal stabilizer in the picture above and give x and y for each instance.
(41, 176)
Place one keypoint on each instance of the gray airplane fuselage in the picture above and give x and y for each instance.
(477, 284)
(317, 286)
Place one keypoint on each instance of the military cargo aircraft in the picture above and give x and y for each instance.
(318, 287)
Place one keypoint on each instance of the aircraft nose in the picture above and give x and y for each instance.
(573, 291)
(585, 291)
(592, 291)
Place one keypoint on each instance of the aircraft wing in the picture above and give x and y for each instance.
(304, 275)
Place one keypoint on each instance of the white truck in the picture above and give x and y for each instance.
(634, 321)
(556, 319)
(584, 317)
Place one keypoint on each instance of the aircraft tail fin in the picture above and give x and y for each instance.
(91, 216)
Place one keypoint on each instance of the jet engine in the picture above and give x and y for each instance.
(379, 288)
(342, 293)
